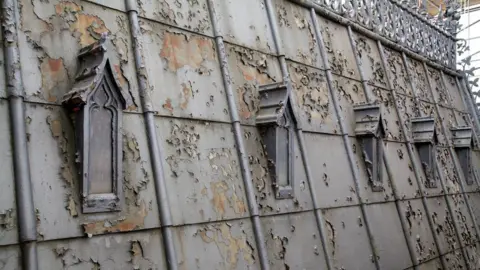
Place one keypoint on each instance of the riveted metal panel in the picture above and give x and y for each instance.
(397, 73)
(186, 14)
(366, 192)
(349, 93)
(419, 78)
(222, 245)
(387, 231)
(139, 250)
(51, 35)
(454, 93)
(343, 225)
(334, 187)
(402, 170)
(389, 114)
(56, 182)
(184, 73)
(295, 23)
(263, 182)
(201, 171)
(370, 61)
(10, 258)
(293, 242)
(455, 260)
(428, 109)
(440, 94)
(447, 171)
(312, 97)
(408, 109)
(419, 232)
(443, 224)
(341, 58)
(8, 209)
(250, 69)
(253, 31)
(463, 219)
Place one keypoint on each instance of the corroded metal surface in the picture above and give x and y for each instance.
(193, 71)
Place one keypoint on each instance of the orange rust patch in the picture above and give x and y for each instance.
(119, 72)
(219, 190)
(180, 50)
(90, 27)
(252, 74)
(66, 7)
(230, 247)
(187, 94)
(168, 105)
(54, 75)
(134, 221)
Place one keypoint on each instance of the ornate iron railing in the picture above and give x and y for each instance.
(405, 22)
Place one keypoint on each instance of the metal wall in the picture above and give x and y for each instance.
(201, 63)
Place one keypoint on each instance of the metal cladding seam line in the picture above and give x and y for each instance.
(27, 221)
(237, 131)
(458, 167)
(346, 139)
(166, 222)
(301, 140)
(416, 169)
(369, 33)
(410, 147)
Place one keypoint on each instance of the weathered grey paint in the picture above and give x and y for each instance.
(197, 190)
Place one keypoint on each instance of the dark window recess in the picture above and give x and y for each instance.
(370, 131)
(277, 128)
(96, 102)
(425, 140)
(463, 144)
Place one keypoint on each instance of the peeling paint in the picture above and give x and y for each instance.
(8, 220)
(180, 50)
(229, 246)
(128, 223)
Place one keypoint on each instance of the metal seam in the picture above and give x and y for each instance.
(416, 169)
(26, 220)
(369, 98)
(457, 169)
(299, 131)
(410, 148)
(152, 138)
(361, 29)
(468, 103)
(346, 139)
(237, 131)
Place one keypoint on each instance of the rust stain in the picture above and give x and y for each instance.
(181, 50)
(89, 27)
(168, 105)
(187, 94)
(54, 76)
(121, 78)
(134, 221)
(230, 247)
(219, 190)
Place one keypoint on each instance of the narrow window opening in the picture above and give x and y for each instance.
(277, 128)
(463, 144)
(425, 138)
(96, 102)
(369, 131)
